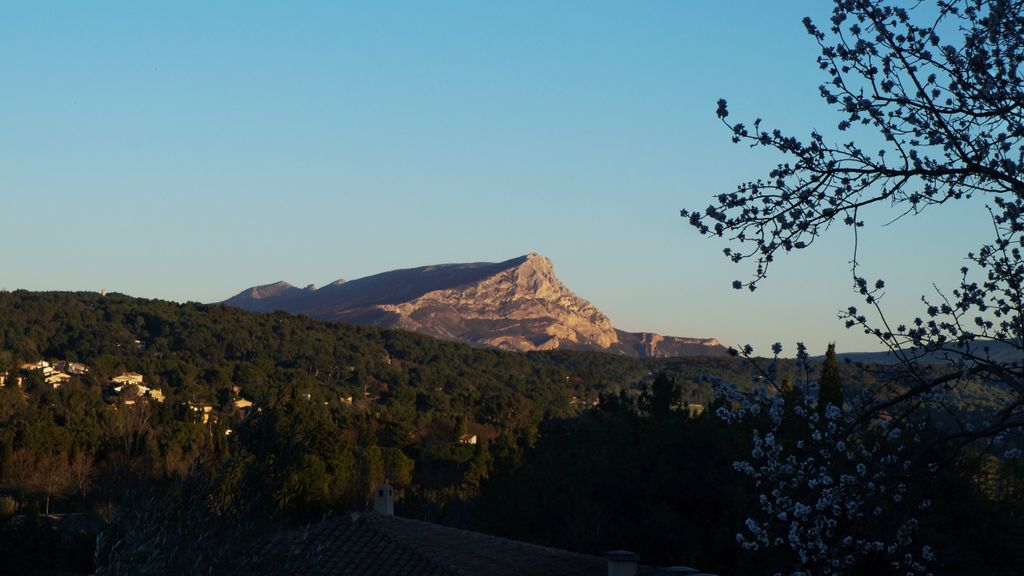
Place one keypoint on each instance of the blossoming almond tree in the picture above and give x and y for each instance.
(939, 87)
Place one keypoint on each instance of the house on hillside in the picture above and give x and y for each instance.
(75, 368)
(467, 439)
(201, 410)
(56, 379)
(128, 393)
(40, 366)
(128, 378)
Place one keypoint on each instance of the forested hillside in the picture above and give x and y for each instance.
(261, 419)
(382, 404)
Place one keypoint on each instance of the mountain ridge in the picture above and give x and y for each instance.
(517, 304)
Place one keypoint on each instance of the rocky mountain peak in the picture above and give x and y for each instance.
(539, 260)
(269, 290)
(529, 276)
(519, 304)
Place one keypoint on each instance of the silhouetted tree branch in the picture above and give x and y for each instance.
(931, 121)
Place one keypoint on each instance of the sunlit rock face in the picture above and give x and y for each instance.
(519, 305)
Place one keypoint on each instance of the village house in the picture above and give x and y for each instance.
(129, 393)
(56, 374)
(127, 378)
(75, 368)
(40, 366)
(202, 410)
(56, 379)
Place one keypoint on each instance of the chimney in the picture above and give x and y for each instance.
(621, 563)
(384, 500)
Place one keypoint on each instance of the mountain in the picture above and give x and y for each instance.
(277, 296)
(519, 304)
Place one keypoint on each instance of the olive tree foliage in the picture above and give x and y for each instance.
(947, 114)
(935, 88)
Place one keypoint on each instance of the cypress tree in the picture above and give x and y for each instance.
(830, 390)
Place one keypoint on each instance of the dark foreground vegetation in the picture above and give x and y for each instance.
(582, 451)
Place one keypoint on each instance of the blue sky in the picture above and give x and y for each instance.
(191, 150)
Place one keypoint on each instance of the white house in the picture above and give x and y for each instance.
(39, 366)
(127, 378)
(56, 379)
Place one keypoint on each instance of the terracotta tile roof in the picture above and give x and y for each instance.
(371, 543)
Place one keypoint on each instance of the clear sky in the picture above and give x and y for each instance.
(192, 150)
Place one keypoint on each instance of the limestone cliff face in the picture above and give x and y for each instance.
(647, 345)
(519, 305)
(523, 307)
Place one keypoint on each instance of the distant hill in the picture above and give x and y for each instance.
(519, 304)
(997, 351)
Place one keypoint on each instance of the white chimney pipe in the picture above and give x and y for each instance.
(384, 500)
(621, 563)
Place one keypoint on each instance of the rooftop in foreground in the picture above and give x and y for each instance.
(379, 544)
